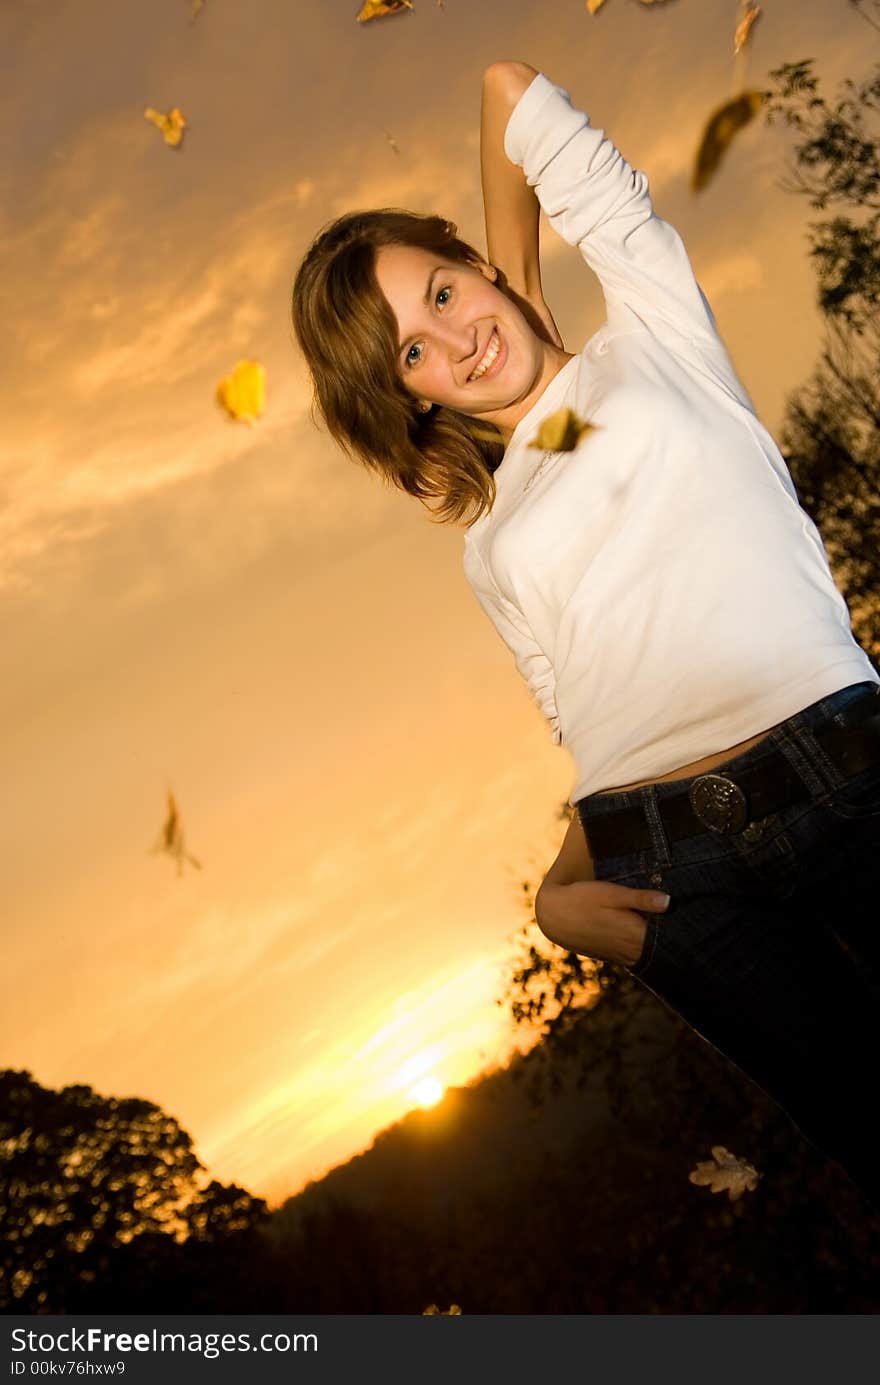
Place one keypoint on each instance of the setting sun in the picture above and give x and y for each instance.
(427, 1092)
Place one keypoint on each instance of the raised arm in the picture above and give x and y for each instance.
(595, 200)
(510, 206)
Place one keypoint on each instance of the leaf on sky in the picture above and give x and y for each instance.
(170, 838)
(377, 9)
(744, 27)
(243, 392)
(393, 142)
(724, 1172)
(197, 7)
(594, 5)
(561, 432)
(720, 129)
(171, 124)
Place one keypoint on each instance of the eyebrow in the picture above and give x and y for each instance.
(426, 298)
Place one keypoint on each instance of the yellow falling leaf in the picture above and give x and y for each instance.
(243, 392)
(720, 129)
(376, 9)
(744, 27)
(171, 124)
(724, 1172)
(452, 1311)
(170, 839)
(196, 9)
(594, 5)
(561, 432)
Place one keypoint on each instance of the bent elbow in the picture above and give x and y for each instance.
(509, 78)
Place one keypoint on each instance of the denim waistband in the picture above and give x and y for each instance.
(845, 707)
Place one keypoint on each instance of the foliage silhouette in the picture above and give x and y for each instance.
(97, 1195)
(831, 434)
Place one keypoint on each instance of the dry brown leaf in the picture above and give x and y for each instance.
(724, 1172)
(243, 392)
(393, 142)
(744, 27)
(720, 129)
(561, 432)
(172, 125)
(170, 838)
(594, 5)
(377, 9)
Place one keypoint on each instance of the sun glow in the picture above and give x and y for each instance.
(427, 1091)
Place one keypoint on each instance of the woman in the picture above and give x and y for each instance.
(665, 597)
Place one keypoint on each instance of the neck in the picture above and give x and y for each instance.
(507, 419)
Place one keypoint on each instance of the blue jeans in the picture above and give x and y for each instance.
(770, 947)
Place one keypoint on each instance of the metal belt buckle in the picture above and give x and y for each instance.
(719, 803)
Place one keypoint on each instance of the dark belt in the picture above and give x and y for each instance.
(726, 803)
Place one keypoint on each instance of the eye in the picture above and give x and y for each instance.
(441, 298)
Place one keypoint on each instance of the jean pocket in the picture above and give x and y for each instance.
(859, 797)
(649, 946)
(632, 871)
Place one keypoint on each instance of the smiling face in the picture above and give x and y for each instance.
(463, 343)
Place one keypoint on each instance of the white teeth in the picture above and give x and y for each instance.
(491, 352)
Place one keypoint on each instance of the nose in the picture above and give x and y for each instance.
(460, 341)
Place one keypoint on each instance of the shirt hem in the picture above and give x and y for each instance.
(767, 714)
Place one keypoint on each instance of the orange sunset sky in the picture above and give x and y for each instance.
(245, 616)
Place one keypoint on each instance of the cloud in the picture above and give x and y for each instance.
(124, 317)
(731, 274)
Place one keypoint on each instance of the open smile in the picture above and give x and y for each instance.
(492, 360)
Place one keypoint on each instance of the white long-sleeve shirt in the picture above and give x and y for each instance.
(663, 592)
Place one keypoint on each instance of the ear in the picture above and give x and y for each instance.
(488, 271)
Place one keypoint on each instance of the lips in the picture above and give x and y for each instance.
(490, 360)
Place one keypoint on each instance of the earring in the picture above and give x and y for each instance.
(424, 406)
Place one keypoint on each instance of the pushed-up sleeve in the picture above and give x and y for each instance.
(530, 659)
(596, 201)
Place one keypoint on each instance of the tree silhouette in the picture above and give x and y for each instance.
(831, 433)
(88, 1185)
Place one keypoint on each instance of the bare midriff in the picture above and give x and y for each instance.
(698, 766)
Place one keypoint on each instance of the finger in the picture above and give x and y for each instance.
(652, 900)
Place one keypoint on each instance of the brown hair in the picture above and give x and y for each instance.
(348, 334)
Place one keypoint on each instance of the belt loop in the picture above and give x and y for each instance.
(796, 740)
(660, 853)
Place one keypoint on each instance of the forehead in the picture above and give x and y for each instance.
(404, 270)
